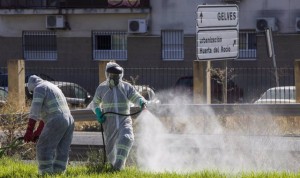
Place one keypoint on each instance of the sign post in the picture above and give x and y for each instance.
(217, 32)
(217, 36)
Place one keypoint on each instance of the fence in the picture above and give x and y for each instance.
(244, 85)
(253, 82)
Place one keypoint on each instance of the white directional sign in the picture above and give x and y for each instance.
(217, 44)
(217, 32)
(217, 16)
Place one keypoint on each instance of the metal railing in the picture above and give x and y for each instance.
(247, 45)
(245, 119)
(109, 45)
(50, 4)
(283, 110)
(39, 45)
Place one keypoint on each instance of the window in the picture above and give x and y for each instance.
(39, 45)
(79, 92)
(172, 45)
(68, 91)
(109, 45)
(247, 44)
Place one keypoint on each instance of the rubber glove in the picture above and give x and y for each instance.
(29, 131)
(143, 104)
(100, 117)
(38, 131)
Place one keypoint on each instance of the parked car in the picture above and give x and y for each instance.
(185, 85)
(3, 96)
(75, 94)
(275, 95)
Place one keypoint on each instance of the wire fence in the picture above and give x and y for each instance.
(243, 85)
(253, 82)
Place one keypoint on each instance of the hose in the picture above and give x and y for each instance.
(121, 114)
(103, 140)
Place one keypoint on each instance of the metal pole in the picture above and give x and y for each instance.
(104, 149)
(274, 60)
(225, 83)
(269, 36)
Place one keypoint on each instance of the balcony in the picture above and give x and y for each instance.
(29, 7)
(73, 4)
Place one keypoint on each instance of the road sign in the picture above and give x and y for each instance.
(217, 16)
(217, 32)
(217, 44)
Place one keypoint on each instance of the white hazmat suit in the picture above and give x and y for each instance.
(116, 96)
(50, 105)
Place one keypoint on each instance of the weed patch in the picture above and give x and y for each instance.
(13, 122)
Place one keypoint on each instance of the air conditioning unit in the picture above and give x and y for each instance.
(297, 25)
(137, 26)
(55, 21)
(266, 22)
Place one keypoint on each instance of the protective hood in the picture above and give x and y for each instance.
(113, 64)
(33, 81)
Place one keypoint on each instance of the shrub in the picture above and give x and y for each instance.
(13, 122)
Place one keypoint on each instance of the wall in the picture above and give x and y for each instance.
(167, 14)
(285, 11)
(77, 52)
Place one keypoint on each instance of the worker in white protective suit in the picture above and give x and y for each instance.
(115, 95)
(50, 106)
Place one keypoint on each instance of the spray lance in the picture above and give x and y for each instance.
(143, 107)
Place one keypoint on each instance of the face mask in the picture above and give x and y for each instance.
(114, 79)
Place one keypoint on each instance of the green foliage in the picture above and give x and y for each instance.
(12, 167)
(96, 164)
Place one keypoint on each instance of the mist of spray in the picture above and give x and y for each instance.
(196, 140)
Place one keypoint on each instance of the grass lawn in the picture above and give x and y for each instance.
(11, 167)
